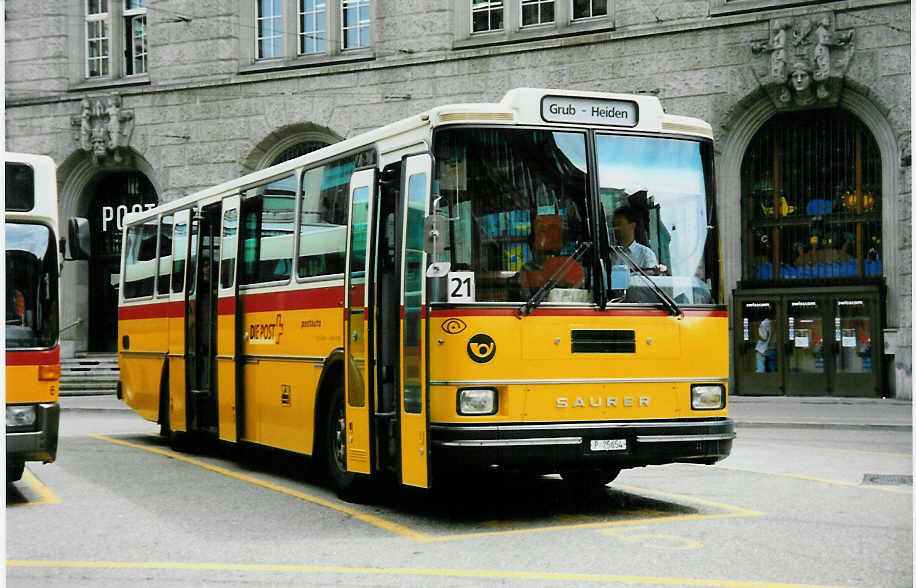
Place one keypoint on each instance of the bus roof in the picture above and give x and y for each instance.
(520, 106)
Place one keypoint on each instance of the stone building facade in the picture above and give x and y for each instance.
(142, 102)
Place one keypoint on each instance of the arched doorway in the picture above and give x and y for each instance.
(810, 301)
(111, 197)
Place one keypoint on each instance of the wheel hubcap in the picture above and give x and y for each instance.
(339, 440)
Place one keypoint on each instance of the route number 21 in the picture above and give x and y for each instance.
(461, 286)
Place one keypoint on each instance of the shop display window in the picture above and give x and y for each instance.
(811, 191)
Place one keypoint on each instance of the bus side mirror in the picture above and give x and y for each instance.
(434, 231)
(78, 236)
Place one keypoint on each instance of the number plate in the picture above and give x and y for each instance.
(608, 444)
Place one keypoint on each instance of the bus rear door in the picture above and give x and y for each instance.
(227, 324)
(174, 406)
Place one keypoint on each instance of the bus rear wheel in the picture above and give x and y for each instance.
(348, 485)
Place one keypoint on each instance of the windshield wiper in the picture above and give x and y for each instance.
(668, 301)
(535, 299)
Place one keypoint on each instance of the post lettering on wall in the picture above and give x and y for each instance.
(114, 215)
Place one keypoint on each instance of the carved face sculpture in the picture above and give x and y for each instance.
(801, 79)
(99, 141)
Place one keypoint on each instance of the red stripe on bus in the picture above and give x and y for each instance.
(44, 357)
(151, 311)
(226, 305)
(442, 313)
(294, 300)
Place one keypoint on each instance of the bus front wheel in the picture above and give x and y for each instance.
(348, 485)
(590, 479)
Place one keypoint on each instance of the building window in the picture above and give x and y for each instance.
(486, 16)
(588, 8)
(312, 26)
(98, 33)
(269, 29)
(811, 185)
(355, 18)
(135, 51)
(271, 35)
(485, 22)
(537, 12)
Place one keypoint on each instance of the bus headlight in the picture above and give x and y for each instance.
(21, 416)
(707, 396)
(477, 401)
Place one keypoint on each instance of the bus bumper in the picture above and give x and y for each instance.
(39, 442)
(557, 447)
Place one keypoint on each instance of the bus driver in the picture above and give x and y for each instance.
(624, 224)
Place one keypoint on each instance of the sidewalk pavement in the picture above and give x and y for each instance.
(747, 411)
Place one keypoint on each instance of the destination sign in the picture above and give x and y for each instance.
(590, 111)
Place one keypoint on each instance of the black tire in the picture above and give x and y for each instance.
(347, 485)
(178, 440)
(14, 471)
(590, 479)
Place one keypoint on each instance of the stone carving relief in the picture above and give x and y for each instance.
(804, 61)
(103, 128)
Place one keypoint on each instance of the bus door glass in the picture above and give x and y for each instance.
(414, 198)
(177, 322)
(357, 331)
(227, 325)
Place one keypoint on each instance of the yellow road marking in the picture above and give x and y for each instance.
(420, 572)
(820, 480)
(362, 516)
(45, 496)
(421, 537)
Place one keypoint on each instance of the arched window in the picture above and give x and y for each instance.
(297, 150)
(811, 200)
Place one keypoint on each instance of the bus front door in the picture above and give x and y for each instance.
(410, 266)
(358, 327)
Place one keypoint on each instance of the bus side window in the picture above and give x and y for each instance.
(267, 230)
(179, 251)
(140, 260)
(165, 255)
(323, 220)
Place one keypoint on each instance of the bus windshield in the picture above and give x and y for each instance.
(518, 206)
(31, 286)
(660, 185)
(516, 200)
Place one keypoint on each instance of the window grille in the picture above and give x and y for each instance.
(811, 185)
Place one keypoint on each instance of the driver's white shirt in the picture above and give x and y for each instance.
(640, 254)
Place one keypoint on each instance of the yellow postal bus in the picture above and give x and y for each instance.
(32, 311)
(532, 284)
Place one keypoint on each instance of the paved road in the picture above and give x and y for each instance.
(791, 506)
